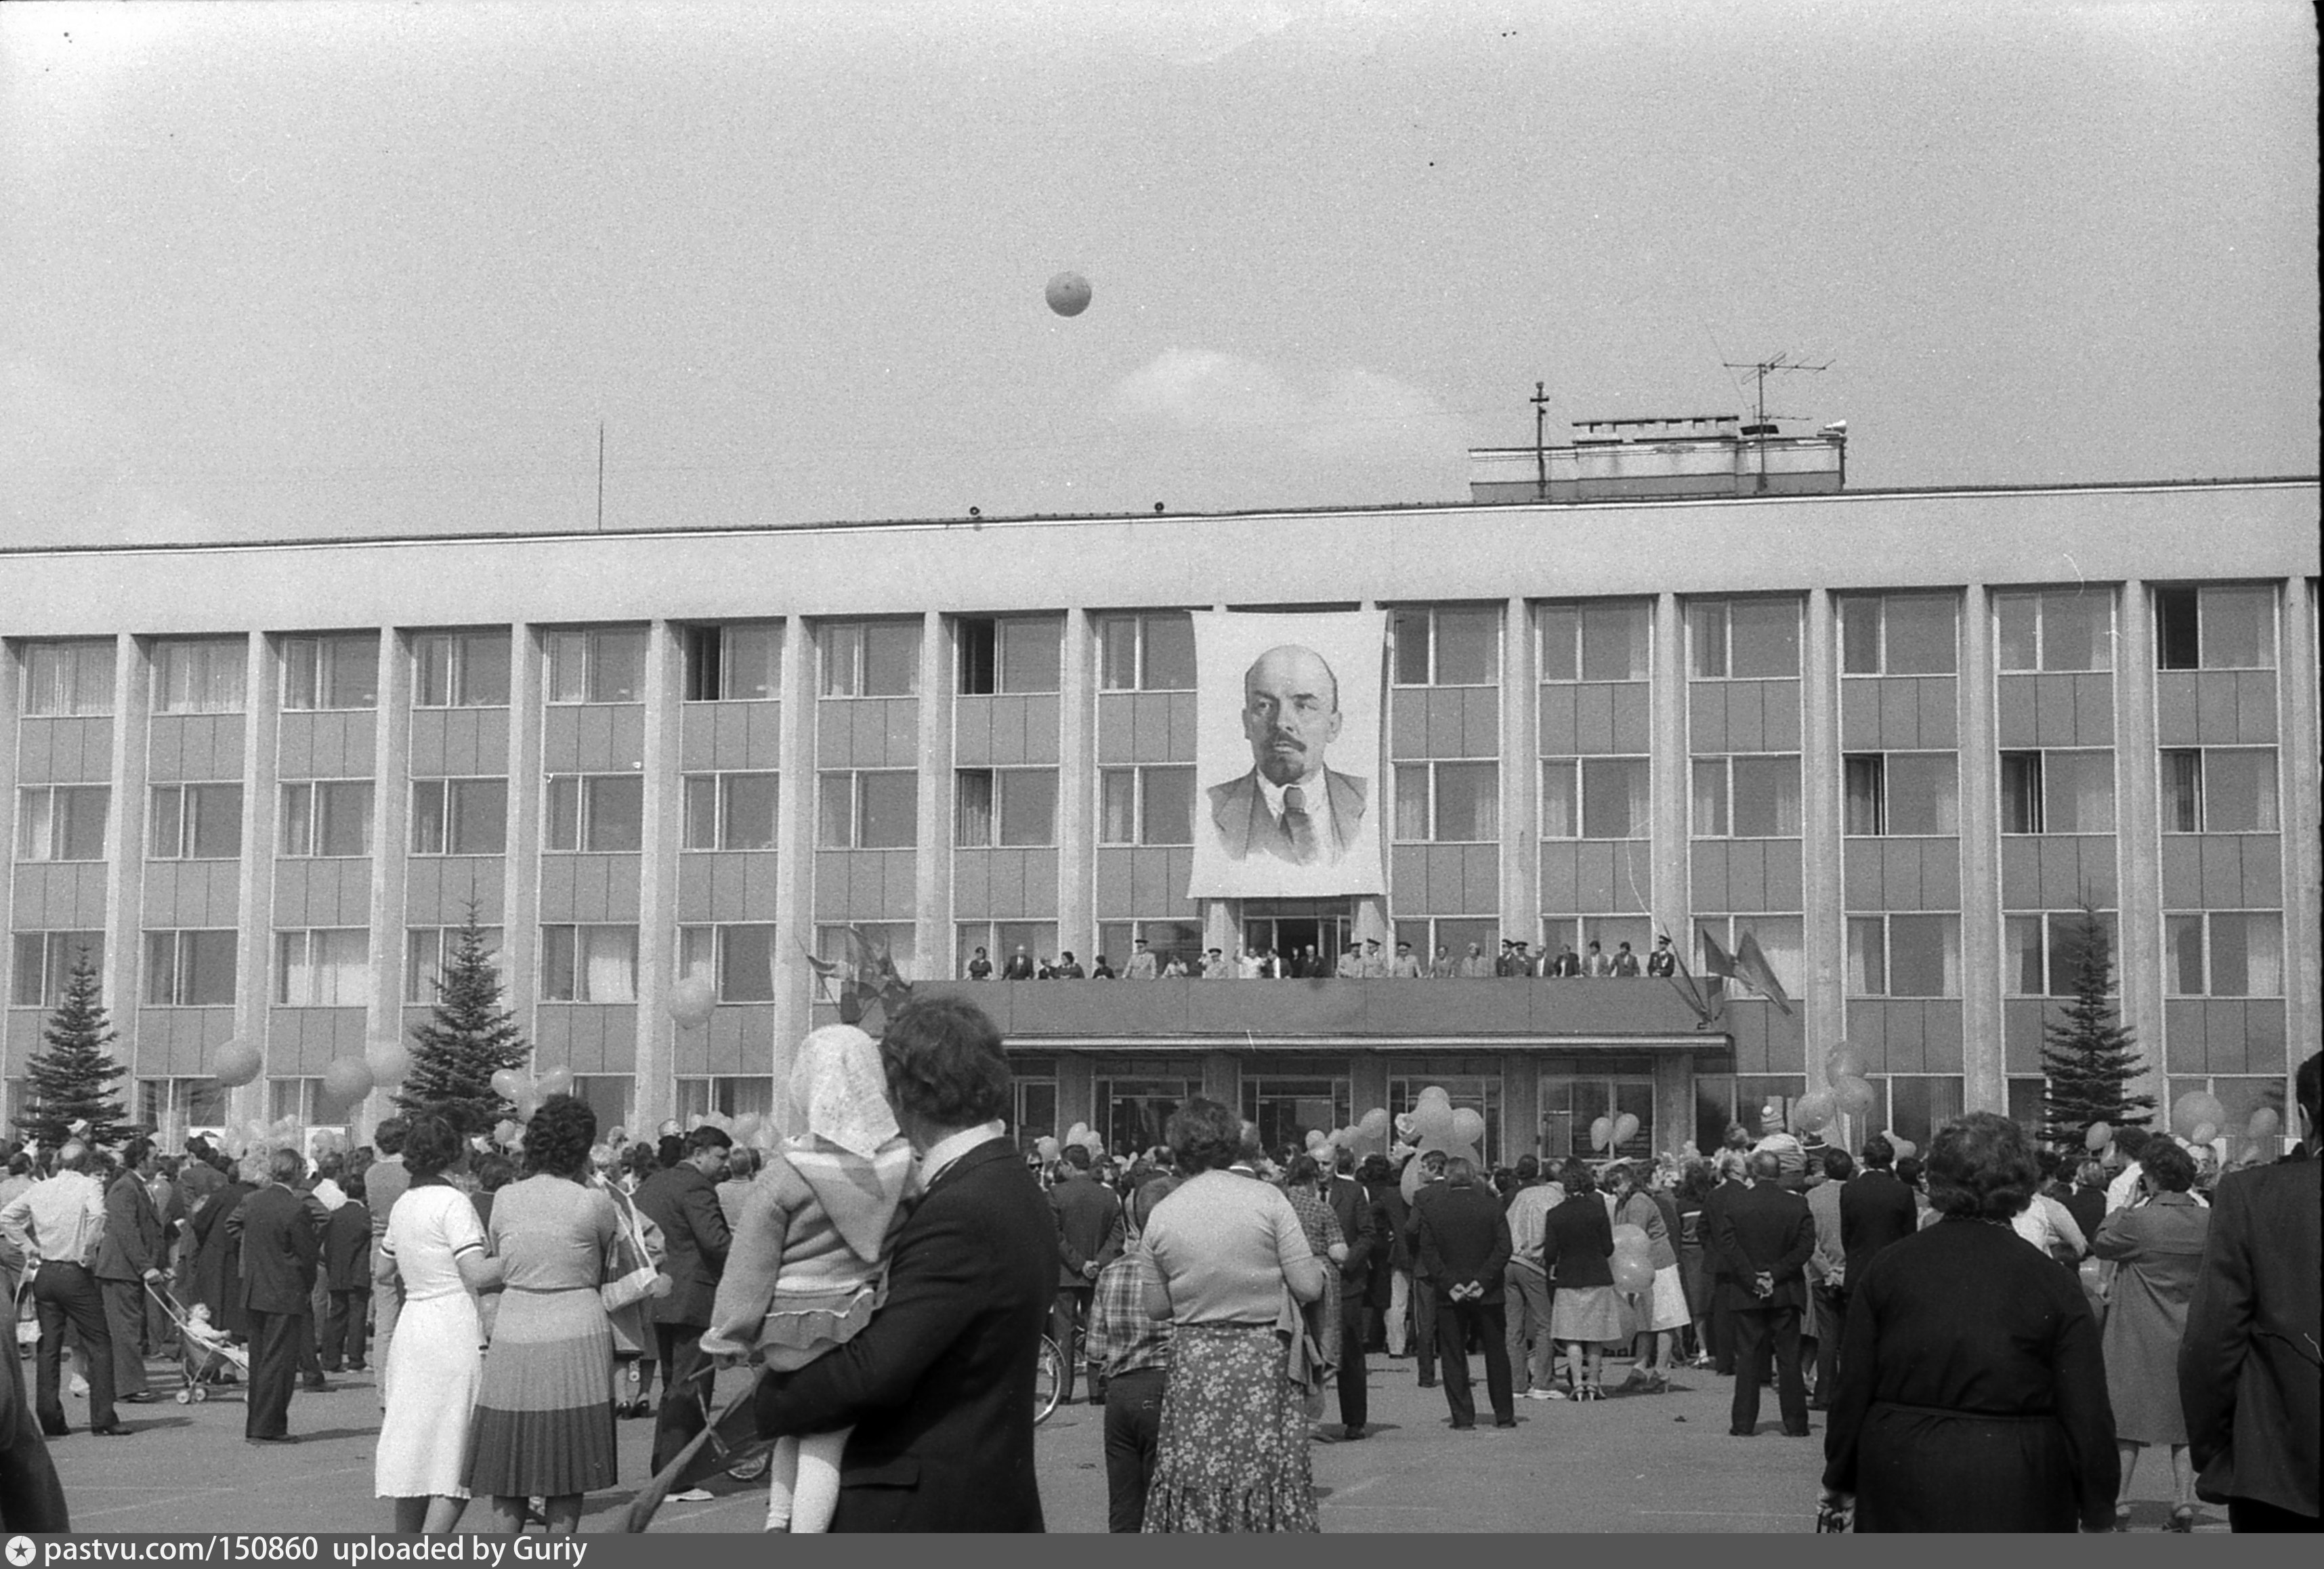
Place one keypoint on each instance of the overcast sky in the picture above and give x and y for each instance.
(274, 270)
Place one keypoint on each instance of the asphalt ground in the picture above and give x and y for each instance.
(1633, 1463)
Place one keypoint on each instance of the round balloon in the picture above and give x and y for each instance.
(1468, 1126)
(1433, 1122)
(2264, 1123)
(1435, 1092)
(1316, 1138)
(2203, 1134)
(1375, 1124)
(1629, 1239)
(1077, 1133)
(1094, 1142)
(556, 1081)
(506, 1132)
(508, 1083)
(1812, 1111)
(1844, 1063)
(1068, 294)
(1045, 1148)
(347, 1078)
(1602, 1132)
(1854, 1095)
(1633, 1272)
(2099, 1136)
(389, 1060)
(238, 1064)
(1405, 1126)
(2194, 1107)
(1906, 1148)
(1625, 1128)
(693, 1000)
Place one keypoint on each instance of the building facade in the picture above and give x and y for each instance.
(1900, 740)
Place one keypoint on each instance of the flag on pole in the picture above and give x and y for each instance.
(1716, 961)
(1682, 981)
(1752, 965)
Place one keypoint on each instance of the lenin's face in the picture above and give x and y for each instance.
(1290, 714)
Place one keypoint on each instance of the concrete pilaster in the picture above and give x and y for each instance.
(1672, 907)
(932, 858)
(2303, 887)
(794, 855)
(1983, 1060)
(253, 992)
(520, 891)
(391, 843)
(1077, 790)
(2138, 838)
(1520, 891)
(663, 813)
(125, 847)
(1824, 922)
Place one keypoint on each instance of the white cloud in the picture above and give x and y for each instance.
(1347, 413)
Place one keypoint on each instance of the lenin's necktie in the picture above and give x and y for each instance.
(1298, 827)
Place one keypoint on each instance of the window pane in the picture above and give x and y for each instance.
(209, 957)
(842, 660)
(1468, 647)
(616, 817)
(484, 670)
(1412, 801)
(1868, 965)
(2077, 631)
(2239, 788)
(1117, 641)
(2183, 956)
(27, 970)
(563, 831)
(972, 793)
(2176, 646)
(1710, 820)
(751, 657)
(428, 819)
(1766, 637)
(343, 819)
(2022, 971)
(2238, 628)
(216, 809)
(1031, 654)
(751, 799)
(1924, 955)
(2065, 935)
(1029, 807)
(975, 654)
(617, 666)
(81, 813)
(609, 964)
(2247, 951)
(559, 980)
(1615, 804)
(835, 810)
(1561, 813)
(301, 658)
(351, 672)
(1767, 797)
(1117, 806)
(1168, 812)
(891, 659)
(1919, 634)
(1923, 795)
(1781, 938)
(1614, 642)
(1859, 636)
(1866, 779)
(1706, 637)
(700, 829)
(1561, 631)
(2183, 792)
(1409, 628)
(2018, 617)
(1468, 802)
(479, 816)
(746, 968)
(568, 667)
(2079, 791)
(1169, 652)
(2021, 793)
(891, 811)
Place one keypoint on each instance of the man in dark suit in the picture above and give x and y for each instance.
(1763, 1236)
(2248, 1365)
(1353, 1207)
(1874, 1208)
(682, 1201)
(1423, 1294)
(1087, 1215)
(276, 1233)
(1464, 1247)
(938, 1389)
(130, 1255)
(1289, 805)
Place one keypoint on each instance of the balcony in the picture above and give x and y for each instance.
(1628, 1015)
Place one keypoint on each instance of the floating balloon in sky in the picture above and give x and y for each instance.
(1068, 294)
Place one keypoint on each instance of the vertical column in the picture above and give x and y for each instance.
(1221, 918)
(1983, 1057)
(658, 877)
(1824, 922)
(1371, 912)
(390, 859)
(794, 851)
(124, 855)
(255, 947)
(11, 683)
(2304, 886)
(1076, 792)
(520, 885)
(1671, 895)
(2139, 841)
(1520, 908)
(932, 862)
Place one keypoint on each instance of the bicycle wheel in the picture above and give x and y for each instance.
(1048, 1380)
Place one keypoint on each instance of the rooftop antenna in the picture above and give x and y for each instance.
(1540, 401)
(1760, 371)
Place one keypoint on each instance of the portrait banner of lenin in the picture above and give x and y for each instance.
(1287, 755)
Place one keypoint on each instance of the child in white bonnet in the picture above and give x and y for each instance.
(805, 1273)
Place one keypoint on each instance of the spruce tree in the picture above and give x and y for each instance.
(2088, 1059)
(469, 1039)
(73, 1080)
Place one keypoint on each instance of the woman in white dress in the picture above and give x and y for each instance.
(435, 1245)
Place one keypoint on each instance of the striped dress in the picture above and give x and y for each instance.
(544, 1422)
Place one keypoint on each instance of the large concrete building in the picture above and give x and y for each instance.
(1897, 738)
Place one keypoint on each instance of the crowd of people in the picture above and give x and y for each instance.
(1997, 1335)
(1362, 959)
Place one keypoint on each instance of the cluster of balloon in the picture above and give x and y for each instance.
(694, 999)
(1371, 1128)
(2100, 1136)
(1633, 1261)
(507, 1133)
(2198, 1116)
(526, 1092)
(1080, 1134)
(1435, 1125)
(281, 1133)
(237, 1064)
(1609, 1133)
(1852, 1092)
(389, 1060)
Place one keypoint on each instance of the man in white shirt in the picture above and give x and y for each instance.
(1531, 1350)
(57, 1225)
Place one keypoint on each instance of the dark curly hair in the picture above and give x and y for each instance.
(1204, 1136)
(944, 1062)
(2169, 1168)
(556, 1140)
(1980, 1168)
(1577, 1177)
(432, 1146)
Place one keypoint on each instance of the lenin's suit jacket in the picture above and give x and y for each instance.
(939, 1386)
(1762, 1230)
(684, 1204)
(2249, 1366)
(1876, 1210)
(1247, 828)
(1463, 1238)
(279, 1251)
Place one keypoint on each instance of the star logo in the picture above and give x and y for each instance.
(21, 1551)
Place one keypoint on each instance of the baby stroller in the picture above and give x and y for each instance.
(204, 1350)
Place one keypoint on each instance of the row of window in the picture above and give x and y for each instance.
(2212, 789)
(2195, 628)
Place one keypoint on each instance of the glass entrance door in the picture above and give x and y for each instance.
(1288, 927)
(1571, 1102)
(1133, 1113)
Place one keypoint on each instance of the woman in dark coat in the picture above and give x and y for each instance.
(2157, 1247)
(218, 1261)
(1577, 1253)
(1972, 1394)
